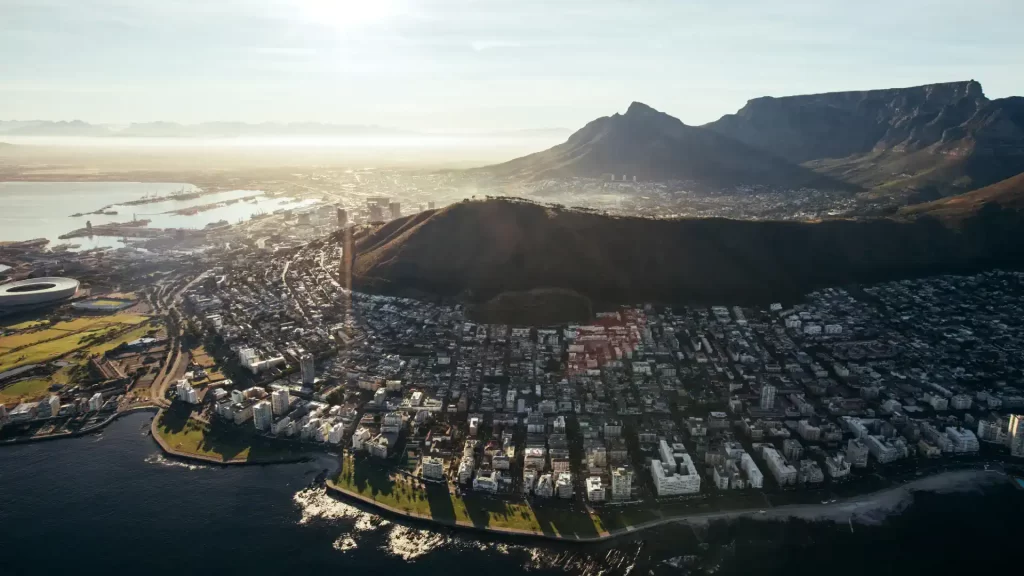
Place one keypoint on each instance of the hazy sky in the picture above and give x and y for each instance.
(481, 64)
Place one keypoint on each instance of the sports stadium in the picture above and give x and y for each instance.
(36, 292)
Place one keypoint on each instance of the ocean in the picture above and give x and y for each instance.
(112, 503)
(31, 210)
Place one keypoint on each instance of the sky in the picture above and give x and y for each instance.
(480, 65)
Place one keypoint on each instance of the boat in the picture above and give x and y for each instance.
(218, 224)
(109, 212)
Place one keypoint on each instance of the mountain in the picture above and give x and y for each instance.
(652, 145)
(240, 129)
(175, 130)
(486, 248)
(1007, 194)
(46, 128)
(934, 140)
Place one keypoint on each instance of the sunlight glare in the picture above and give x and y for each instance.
(347, 14)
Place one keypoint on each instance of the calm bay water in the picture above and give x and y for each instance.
(113, 503)
(42, 209)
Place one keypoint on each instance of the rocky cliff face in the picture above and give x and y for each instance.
(925, 141)
(841, 124)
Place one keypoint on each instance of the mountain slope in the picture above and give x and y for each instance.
(652, 145)
(937, 140)
(496, 246)
(1008, 193)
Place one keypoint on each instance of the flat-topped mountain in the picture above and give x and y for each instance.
(651, 145)
(939, 139)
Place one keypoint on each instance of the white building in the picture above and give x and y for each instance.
(964, 441)
(487, 481)
(784, 473)
(432, 468)
(284, 427)
(545, 486)
(307, 369)
(279, 401)
(96, 402)
(837, 466)
(1015, 433)
(755, 479)
(961, 402)
(263, 416)
(360, 438)
(335, 433)
(595, 490)
(378, 446)
(622, 483)
(767, 397)
(465, 469)
(672, 478)
(810, 472)
(857, 453)
(563, 485)
(186, 393)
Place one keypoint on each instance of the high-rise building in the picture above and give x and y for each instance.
(430, 205)
(396, 210)
(1015, 433)
(96, 402)
(767, 397)
(307, 368)
(279, 401)
(376, 205)
(263, 415)
(622, 483)
(3, 415)
(342, 217)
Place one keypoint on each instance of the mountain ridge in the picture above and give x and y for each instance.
(481, 249)
(924, 141)
(651, 145)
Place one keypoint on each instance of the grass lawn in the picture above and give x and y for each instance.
(133, 334)
(28, 338)
(221, 440)
(93, 322)
(25, 325)
(26, 391)
(67, 342)
(436, 502)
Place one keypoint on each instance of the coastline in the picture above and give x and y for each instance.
(860, 507)
(167, 449)
(83, 431)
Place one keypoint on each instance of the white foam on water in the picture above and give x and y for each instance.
(160, 460)
(411, 543)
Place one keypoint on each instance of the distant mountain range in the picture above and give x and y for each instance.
(228, 130)
(924, 142)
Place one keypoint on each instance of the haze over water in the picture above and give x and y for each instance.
(43, 209)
